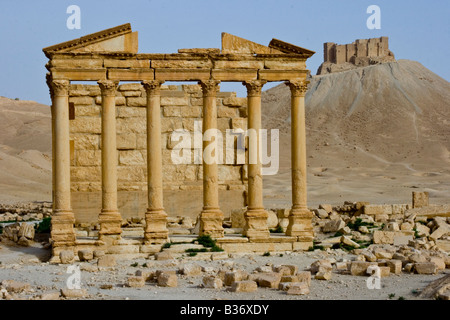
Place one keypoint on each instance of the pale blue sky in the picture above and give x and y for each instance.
(417, 30)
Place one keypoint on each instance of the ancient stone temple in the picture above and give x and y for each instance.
(113, 140)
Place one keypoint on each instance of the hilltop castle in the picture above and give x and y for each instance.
(361, 53)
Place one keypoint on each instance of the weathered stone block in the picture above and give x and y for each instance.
(269, 280)
(191, 269)
(85, 255)
(235, 102)
(212, 282)
(333, 225)
(131, 158)
(244, 286)
(395, 266)
(174, 101)
(136, 282)
(383, 237)
(420, 199)
(425, 268)
(167, 280)
(66, 256)
(298, 288)
(235, 276)
(86, 158)
(106, 261)
(359, 268)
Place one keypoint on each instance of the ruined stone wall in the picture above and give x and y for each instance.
(180, 107)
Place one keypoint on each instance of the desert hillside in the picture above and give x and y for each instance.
(374, 133)
(25, 151)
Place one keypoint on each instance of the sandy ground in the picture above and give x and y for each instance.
(22, 264)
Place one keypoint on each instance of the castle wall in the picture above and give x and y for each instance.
(180, 107)
(361, 48)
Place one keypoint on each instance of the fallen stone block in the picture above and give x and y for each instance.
(333, 226)
(382, 254)
(425, 268)
(234, 276)
(422, 230)
(321, 213)
(13, 286)
(66, 256)
(298, 288)
(74, 293)
(191, 269)
(320, 265)
(369, 256)
(106, 261)
(440, 232)
(85, 255)
(54, 295)
(346, 240)
(167, 280)
(244, 286)
(416, 258)
(395, 266)
(323, 275)
(439, 262)
(212, 282)
(147, 275)
(341, 266)
(359, 268)
(136, 282)
(269, 280)
(282, 270)
(327, 207)
(377, 209)
(383, 237)
(289, 278)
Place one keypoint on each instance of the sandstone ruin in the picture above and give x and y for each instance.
(360, 53)
(103, 144)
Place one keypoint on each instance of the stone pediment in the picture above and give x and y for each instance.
(289, 48)
(237, 45)
(117, 39)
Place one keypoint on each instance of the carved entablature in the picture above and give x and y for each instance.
(112, 55)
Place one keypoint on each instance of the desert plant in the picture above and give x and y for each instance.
(44, 226)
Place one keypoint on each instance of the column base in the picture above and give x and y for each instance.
(256, 224)
(62, 232)
(300, 224)
(156, 226)
(110, 224)
(211, 221)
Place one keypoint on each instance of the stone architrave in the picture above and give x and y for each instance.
(155, 218)
(211, 217)
(255, 216)
(299, 217)
(62, 231)
(110, 219)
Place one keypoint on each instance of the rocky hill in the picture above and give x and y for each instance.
(25, 151)
(377, 130)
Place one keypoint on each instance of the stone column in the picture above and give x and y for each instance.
(62, 231)
(299, 217)
(255, 217)
(155, 218)
(109, 218)
(211, 217)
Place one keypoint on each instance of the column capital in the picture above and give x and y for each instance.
(108, 87)
(209, 87)
(59, 88)
(152, 87)
(254, 87)
(298, 87)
